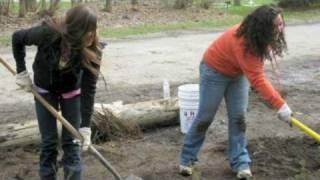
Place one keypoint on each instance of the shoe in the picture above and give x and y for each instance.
(185, 170)
(244, 174)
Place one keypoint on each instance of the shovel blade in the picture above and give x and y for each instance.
(133, 177)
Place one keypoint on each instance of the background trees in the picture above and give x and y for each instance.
(21, 7)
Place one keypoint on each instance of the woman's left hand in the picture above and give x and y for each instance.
(284, 113)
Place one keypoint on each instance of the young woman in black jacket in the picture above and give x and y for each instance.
(66, 69)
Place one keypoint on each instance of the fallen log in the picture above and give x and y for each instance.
(116, 120)
(143, 115)
(20, 134)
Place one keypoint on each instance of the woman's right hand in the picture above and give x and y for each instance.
(24, 81)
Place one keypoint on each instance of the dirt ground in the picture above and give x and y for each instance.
(134, 69)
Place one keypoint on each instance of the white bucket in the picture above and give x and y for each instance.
(188, 95)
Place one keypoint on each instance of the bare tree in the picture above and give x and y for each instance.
(48, 11)
(134, 5)
(108, 6)
(181, 4)
(76, 2)
(54, 5)
(31, 5)
(22, 8)
(236, 2)
(166, 3)
(4, 7)
(43, 5)
(134, 2)
(205, 4)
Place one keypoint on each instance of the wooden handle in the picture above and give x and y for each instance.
(67, 125)
(7, 66)
(59, 117)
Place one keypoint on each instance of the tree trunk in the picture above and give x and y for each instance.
(51, 3)
(76, 2)
(22, 8)
(53, 6)
(134, 5)
(43, 5)
(134, 2)
(108, 6)
(4, 7)
(31, 5)
(237, 2)
(205, 4)
(144, 115)
(73, 2)
(182, 4)
(19, 134)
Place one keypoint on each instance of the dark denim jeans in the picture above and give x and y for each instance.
(215, 86)
(70, 109)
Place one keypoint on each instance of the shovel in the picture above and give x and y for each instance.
(73, 131)
(295, 122)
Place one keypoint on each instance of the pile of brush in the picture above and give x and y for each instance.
(116, 120)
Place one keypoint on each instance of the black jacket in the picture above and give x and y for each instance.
(46, 70)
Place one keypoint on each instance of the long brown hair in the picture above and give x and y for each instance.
(78, 21)
(259, 34)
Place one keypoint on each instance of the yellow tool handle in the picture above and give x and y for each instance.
(305, 129)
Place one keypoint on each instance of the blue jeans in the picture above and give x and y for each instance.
(213, 87)
(70, 109)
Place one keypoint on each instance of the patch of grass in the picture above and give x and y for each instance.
(5, 40)
(65, 5)
(301, 15)
(232, 16)
(240, 10)
(153, 28)
(245, 7)
(291, 15)
(14, 7)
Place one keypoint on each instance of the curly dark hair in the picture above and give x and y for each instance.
(259, 33)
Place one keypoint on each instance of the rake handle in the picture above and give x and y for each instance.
(67, 125)
(13, 72)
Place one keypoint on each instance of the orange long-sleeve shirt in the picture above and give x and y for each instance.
(227, 55)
